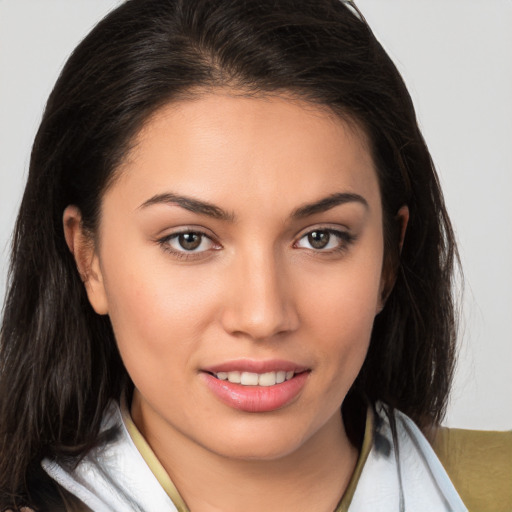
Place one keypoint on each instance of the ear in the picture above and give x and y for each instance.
(402, 218)
(83, 248)
(389, 270)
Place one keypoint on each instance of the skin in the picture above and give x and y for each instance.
(256, 289)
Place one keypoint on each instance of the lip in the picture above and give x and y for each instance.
(256, 399)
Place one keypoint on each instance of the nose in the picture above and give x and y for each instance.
(261, 303)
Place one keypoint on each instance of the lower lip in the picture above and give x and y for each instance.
(256, 398)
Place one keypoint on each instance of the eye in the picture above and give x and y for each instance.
(328, 240)
(187, 242)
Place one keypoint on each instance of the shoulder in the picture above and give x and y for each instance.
(479, 464)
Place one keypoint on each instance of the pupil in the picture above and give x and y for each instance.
(189, 241)
(319, 239)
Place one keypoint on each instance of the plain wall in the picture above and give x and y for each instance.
(455, 56)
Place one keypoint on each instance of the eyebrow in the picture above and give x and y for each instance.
(190, 204)
(211, 210)
(328, 203)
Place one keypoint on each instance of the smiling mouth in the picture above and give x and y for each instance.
(270, 385)
(255, 379)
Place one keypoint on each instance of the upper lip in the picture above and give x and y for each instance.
(255, 366)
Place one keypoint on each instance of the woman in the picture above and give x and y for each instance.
(231, 230)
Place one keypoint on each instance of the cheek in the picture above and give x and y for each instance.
(341, 309)
(344, 340)
(343, 327)
(157, 315)
(346, 296)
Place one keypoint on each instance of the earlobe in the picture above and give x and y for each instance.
(86, 258)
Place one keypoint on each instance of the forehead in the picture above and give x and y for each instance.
(233, 148)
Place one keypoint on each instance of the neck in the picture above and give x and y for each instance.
(312, 477)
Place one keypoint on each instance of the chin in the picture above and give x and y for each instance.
(264, 440)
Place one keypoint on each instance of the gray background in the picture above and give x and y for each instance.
(456, 57)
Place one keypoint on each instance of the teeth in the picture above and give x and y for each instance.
(235, 377)
(256, 379)
(249, 379)
(267, 379)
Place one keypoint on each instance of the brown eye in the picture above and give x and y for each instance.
(190, 241)
(187, 242)
(319, 239)
(325, 240)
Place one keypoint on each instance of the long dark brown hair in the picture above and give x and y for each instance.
(59, 365)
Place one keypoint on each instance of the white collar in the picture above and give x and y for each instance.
(401, 473)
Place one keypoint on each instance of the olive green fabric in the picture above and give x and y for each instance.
(479, 463)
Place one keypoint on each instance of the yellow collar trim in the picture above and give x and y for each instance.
(151, 460)
(361, 461)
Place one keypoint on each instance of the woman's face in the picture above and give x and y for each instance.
(241, 246)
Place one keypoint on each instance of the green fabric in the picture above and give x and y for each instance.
(479, 463)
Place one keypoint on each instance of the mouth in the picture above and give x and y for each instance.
(253, 386)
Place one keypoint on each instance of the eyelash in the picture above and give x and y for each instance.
(345, 240)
